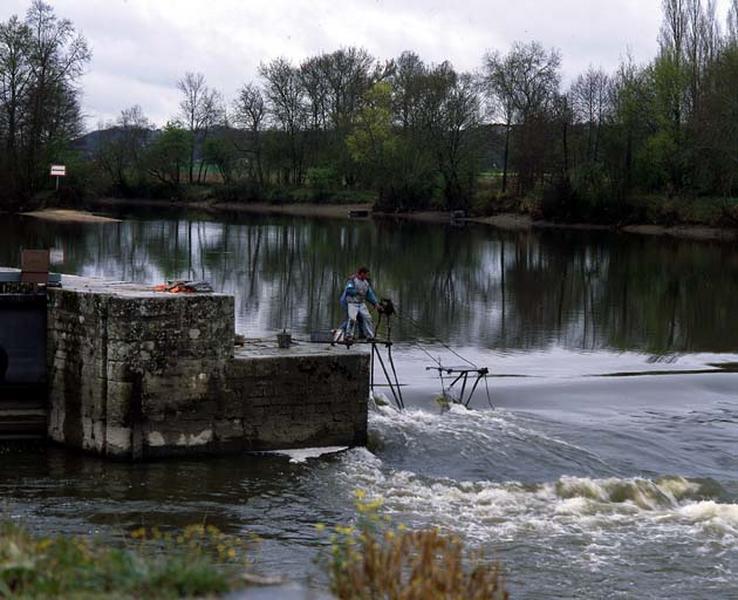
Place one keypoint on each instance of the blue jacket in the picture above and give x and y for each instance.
(353, 292)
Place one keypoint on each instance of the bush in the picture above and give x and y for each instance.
(394, 563)
(239, 191)
(322, 181)
(198, 561)
(585, 196)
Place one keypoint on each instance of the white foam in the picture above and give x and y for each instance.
(300, 455)
(605, 511)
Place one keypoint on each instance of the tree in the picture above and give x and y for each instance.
(450, 109)
(589, 99)
(201, 108)
(15, 80)
(41, 60)
(223, 153)
(168, 154)
(249, 112)
(717, 135)
(57, 59)
(520, 85)
(733, 23)
(372, 143)
(121, 148)
(632, 121)
(407, 77)
(285, 96)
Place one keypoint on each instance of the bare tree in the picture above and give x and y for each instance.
(249, 113)
(15, 81)
(285, 96)
(314, 84)
(346, 73)
(201, 108)
(523, 82)
(732, 32)
(459, 116)
(589, 97)
(406, 81)
(57, 55)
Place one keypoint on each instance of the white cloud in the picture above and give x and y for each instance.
(141, 47)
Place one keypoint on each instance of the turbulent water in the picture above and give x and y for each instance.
(603, 464)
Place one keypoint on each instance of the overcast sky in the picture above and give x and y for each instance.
(141, 47)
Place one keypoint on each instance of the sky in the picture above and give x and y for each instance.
(142, 47)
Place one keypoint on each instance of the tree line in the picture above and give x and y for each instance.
(419, 135)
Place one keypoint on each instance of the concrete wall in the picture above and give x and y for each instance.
(134, 374)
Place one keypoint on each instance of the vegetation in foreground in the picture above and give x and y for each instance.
(376, 560)
(371, 560)
(199, 561)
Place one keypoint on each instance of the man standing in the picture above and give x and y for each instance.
(357, 292)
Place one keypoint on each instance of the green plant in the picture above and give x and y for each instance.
(376, 560)
(199, 560)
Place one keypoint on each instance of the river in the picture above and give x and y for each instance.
(604, 463)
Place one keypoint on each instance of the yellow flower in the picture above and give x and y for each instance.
(43, 544)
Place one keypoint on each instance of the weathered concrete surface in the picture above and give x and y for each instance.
(138, 374)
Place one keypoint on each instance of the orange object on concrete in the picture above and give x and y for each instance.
(175, 287)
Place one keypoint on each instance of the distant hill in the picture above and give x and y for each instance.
(89, 144)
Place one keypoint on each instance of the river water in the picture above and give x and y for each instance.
(608, 467)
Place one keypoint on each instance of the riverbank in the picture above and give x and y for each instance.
(298, 209)
(521, 222)
(505, 220)
(694, 232)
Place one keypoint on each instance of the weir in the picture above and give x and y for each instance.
(131, 373)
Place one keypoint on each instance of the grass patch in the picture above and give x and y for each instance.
(199, 561)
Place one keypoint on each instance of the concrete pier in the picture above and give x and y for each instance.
(137, 374)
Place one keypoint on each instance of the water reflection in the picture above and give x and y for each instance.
(473, 286)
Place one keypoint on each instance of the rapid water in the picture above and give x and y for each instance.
(604, 463)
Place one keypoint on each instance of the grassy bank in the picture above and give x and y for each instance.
(643, 209)
(199, 561)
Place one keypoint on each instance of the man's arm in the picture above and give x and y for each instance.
(372, 297)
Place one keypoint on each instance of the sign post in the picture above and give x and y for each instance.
(58, 171)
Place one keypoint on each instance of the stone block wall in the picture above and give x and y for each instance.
(113, 359)
(145, 375)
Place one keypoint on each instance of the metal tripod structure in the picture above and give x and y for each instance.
(381, 356)
(462, 375)
(390, 375)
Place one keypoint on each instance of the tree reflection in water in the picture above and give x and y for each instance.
(473, 285)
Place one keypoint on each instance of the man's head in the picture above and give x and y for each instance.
(362, 273)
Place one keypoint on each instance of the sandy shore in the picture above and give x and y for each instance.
(69, 216)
